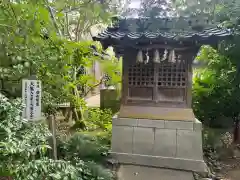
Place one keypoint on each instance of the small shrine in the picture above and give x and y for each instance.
(156, 126)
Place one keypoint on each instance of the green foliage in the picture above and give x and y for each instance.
(21, 141)
(62, 170)
(216, 89)
(98, 119)
(48, 169)
(37, 40)
(23, 149)
(90, 147)
(95, 119)
(84, 146)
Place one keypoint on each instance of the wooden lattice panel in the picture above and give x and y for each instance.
(172, 75)
(141, 75)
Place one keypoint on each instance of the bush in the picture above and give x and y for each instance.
(96, 120)
(21, 141)
(23, 150)
(216, 89)
(62, 170)
(85, 147)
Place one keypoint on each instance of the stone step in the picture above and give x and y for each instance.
(135, 172)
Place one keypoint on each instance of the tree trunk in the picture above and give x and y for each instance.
(68, 115)
(236, 133)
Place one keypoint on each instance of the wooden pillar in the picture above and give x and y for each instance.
(53, 143)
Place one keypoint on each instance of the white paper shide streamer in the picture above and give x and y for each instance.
(156, 58)
(164, 58)
(140, 56)
(172, 56)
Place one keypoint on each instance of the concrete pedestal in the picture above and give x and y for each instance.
(170, 146)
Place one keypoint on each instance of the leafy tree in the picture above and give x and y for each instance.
(215, 97)
(43, 38)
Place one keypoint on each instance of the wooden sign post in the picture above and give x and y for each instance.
(31, 95)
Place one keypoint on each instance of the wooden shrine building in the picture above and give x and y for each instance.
(156, 126)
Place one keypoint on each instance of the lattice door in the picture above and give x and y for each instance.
(163, 82)
(172, 75)
(172, 82)
(141, 75)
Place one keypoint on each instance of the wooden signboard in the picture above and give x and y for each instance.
(31, 95)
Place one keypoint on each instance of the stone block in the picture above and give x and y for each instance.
(197, 126)
(151, 123)
(124, 122)
(122, 137)
(189, 144)
(143, 140)
(162, 162)
(178, 125)
(134, 172)
(165, 143)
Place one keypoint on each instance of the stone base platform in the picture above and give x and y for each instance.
(155, 112)
(134, 172)
(167, 144)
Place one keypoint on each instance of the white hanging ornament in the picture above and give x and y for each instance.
(156, 58)
(140, 57)
(165, 55)
(147, 58)
(172, 57)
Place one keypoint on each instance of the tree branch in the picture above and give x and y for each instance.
(67, 24)
(74, 8)
(95, 85)
(54, 21)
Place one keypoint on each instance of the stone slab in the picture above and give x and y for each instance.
(161, 162)
(165, 143)
(122, 139)
(124, 122)
(189, 144)
(197, 126)
(157, 113)
(179, 125)
(143, 140)
(134, 172)
(150, 123)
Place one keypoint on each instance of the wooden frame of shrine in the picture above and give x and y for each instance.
(157, 63)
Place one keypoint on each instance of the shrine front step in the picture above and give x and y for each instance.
(158, 143)
(135, 172)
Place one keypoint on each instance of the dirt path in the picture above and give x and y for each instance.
(232, 169)
(233, 175)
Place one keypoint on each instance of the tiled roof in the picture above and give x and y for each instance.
(162, 29)
(207, 33)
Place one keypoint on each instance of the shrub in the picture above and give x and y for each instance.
(98, 119)
(23, 149)
(95, 120)
(21, 141)
(83, 146)
(216, 89)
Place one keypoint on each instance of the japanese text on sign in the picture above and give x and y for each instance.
(31, 94)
